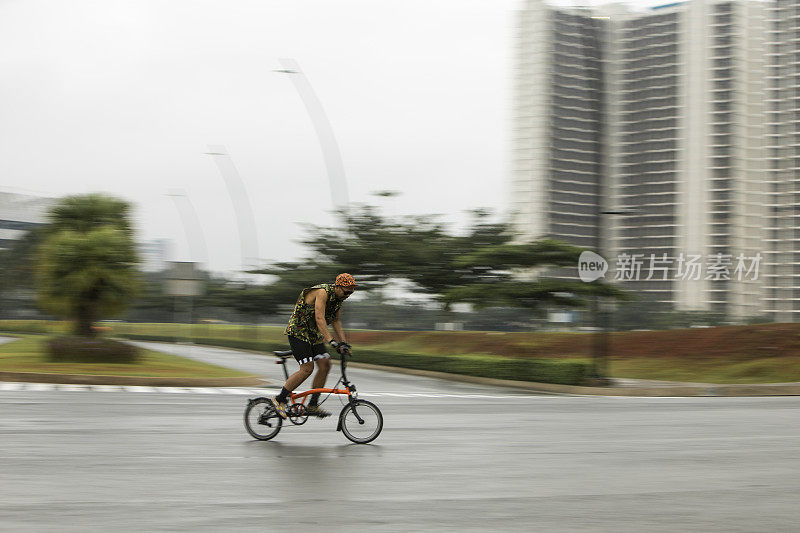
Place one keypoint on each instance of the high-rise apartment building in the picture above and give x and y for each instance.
(558, 141)
(782, 291)
(674, 126)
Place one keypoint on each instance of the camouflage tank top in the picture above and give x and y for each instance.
(303, 324)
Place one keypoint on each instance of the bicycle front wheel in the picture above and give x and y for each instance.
(361, 421)
(261, 420)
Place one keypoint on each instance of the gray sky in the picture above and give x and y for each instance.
(124, 97)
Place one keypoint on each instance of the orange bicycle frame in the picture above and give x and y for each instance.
(302, 395)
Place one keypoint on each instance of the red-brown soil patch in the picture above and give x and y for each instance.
(745, 342)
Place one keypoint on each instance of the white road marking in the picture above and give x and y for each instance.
(135, 388)
(41, 386)
(107, 388)
(263, 392)
(233, 390)
(445, 395)
(204, 390)
(73, 388)
(259, 392)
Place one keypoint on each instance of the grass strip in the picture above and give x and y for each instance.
(737, 371)
(28, 355)
(561, 371)
(767, 353)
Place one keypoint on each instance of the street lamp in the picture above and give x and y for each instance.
(178, 285)
(601, 336)
(248, 238)
(327, 139)
(590, 42)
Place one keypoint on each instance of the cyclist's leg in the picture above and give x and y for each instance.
(304, 354)
(297, 379)
(323, 361)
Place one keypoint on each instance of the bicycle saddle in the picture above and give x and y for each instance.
(283, 354)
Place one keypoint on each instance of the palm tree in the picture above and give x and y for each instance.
(86, 265)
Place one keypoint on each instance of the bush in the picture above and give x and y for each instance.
(86, 350)
(532, 369)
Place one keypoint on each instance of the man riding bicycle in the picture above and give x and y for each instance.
(308, 333)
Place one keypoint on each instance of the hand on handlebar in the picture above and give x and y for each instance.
(342, 347)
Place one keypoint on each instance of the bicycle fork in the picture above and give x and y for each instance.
(352, 404)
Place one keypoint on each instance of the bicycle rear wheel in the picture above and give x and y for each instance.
(361, 421)
(260, 419)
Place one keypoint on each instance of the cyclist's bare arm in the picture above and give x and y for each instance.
(320, 298)
(337, 326)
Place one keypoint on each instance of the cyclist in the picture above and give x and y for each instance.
(308, 333)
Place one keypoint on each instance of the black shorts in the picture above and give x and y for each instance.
(305, 352)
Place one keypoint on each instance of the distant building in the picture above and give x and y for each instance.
(650, 125)
(20, 213)
(782, 298)
(687, 145)
(559, 137)
(153, 255)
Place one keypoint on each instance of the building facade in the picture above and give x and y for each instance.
(679, 148)
(782, 298)
(20, 213)
(558, 140)
(154, 254)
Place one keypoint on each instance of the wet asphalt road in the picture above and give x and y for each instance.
(452, 457)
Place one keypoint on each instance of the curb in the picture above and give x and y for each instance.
(699, 389)
(93, 379)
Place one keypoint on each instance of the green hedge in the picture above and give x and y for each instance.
(538, 370)
(533, 369)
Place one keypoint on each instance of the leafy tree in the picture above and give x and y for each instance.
(365, 245)
(415, 248)
(501, 275)
(251, 300)
(480, 266)
(86, 264)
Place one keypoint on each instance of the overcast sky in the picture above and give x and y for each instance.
(124, 97)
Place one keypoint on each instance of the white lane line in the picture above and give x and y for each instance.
(232, 390)
(135, 388)
(259, 392)
(460, 396)
(73, 388)
(263, 392)
(107, 388)
(41, 387)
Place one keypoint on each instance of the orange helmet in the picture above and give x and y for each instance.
(345, 280)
